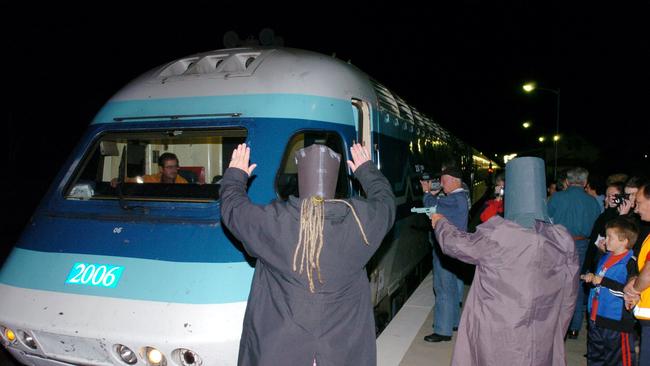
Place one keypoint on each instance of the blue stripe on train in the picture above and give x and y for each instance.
(294, 106)
(142, 279)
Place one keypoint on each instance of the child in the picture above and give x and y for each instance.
(611, 335)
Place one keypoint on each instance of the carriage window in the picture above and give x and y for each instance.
(286, 182)
(184, 165)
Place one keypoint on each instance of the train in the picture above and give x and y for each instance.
(140, 273)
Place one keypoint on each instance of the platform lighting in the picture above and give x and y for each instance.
(529, 87)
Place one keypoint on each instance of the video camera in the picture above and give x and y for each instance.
(435, 181)
(619, 198)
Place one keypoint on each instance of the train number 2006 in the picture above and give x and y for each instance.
(100, 275)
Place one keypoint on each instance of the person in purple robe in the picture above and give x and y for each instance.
(525, 286)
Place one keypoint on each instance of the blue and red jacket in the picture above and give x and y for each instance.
(610, 312)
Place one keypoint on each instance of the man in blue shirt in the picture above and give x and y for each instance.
(577, 211)
(448, 288)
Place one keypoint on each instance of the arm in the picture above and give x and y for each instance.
(430, 199)
(238, 213)
(610, 284)
(469, 248)
(642, 282)
(380, 207)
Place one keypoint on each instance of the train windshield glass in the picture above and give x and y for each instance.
(165, 165)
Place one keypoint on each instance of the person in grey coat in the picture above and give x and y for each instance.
(526, 281)
(310, 298)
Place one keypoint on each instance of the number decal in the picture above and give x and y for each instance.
(75, 278)
(98, 275)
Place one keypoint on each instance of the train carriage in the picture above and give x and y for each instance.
(111, 270)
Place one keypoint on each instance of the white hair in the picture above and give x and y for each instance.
(577, 175)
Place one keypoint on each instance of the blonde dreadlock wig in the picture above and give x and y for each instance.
(318, 167)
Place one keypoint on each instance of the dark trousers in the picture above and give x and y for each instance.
(644, 354)
(606, 347)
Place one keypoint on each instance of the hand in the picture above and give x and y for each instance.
(601, 245)
(426, 185)
(629, 290)
(630, 301)
(434, 219)
(360, 155)
(114, 182)
(625, 207)
(240, 158)
(587, 277)
(597, 280)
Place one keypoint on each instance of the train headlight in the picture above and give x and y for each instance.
(154, 357)
(187, 357)
(10, 335)
(27, 339)
(126, 354)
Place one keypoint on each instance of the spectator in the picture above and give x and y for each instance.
(494, 206)
(616, 178)
(596, 188)
(596, 246)
(447, 286)
(637, 290)
(551, 188)
(577, 211)
(611, 326)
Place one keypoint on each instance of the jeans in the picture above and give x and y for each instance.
(579, 312)
(448, 290)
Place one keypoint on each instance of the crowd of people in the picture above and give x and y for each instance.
(608, 227)
(546, 258)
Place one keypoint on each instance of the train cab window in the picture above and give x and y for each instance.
(286, 182)
(163, 165)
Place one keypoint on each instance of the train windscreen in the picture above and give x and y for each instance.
(163, 165)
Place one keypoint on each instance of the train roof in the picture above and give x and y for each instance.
(253, 70)
(256, 71)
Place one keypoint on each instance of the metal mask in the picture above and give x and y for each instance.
(525, 199)
(318, 171)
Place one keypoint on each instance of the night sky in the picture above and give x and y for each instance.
(462, 65)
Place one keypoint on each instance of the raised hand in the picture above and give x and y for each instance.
(360, 155)
(240, 158)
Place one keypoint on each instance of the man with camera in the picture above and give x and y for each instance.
(577, 211)
(447, 286)
(596, 247)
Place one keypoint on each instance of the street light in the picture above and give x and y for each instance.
(527, 124)
(529, 88)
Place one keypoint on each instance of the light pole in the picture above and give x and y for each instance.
(530, 87)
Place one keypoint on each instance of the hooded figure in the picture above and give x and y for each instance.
(525, 285)
(310, 296)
